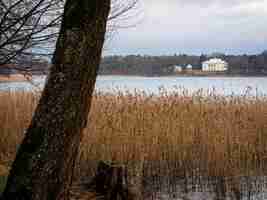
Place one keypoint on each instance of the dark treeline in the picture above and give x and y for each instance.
(158, 65)
(163, 65)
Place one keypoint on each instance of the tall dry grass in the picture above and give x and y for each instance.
(16, 109)
(178, 135)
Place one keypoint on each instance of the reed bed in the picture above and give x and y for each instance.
(179, 136)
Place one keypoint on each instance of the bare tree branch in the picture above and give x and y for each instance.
(30, 28)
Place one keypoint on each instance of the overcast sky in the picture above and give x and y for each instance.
(194, 27)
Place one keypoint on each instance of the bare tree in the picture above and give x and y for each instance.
(43, 168)
(44, 163)
(25, 25)
(30, 27)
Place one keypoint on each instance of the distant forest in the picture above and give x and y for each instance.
(247, 65)
(163, 65)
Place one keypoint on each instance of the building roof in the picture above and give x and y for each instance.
(215, 60)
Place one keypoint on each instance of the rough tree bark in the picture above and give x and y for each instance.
(44, 163)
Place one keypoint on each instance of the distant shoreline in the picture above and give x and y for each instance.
(12, 78)
(189, 75)
(220, 75)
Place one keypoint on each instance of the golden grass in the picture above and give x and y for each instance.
(16, 109)
(175, 133)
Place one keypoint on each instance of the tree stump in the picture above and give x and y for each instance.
(111, 182)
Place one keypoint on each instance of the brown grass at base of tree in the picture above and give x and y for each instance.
(175, 133)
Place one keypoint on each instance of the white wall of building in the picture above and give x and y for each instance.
(178, 69)
(189, 67)
(214, 65)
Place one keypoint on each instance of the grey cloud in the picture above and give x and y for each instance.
(202, 3)
(197, 25)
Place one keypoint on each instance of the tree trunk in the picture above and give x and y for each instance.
(44, 164)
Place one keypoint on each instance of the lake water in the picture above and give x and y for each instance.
(219, 85)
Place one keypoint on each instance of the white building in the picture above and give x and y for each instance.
(215, 65)
(189, 67)
(177, 69)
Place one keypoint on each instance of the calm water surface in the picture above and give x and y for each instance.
(219, 85)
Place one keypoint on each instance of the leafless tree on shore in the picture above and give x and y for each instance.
(45, 161)
(30, 28)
